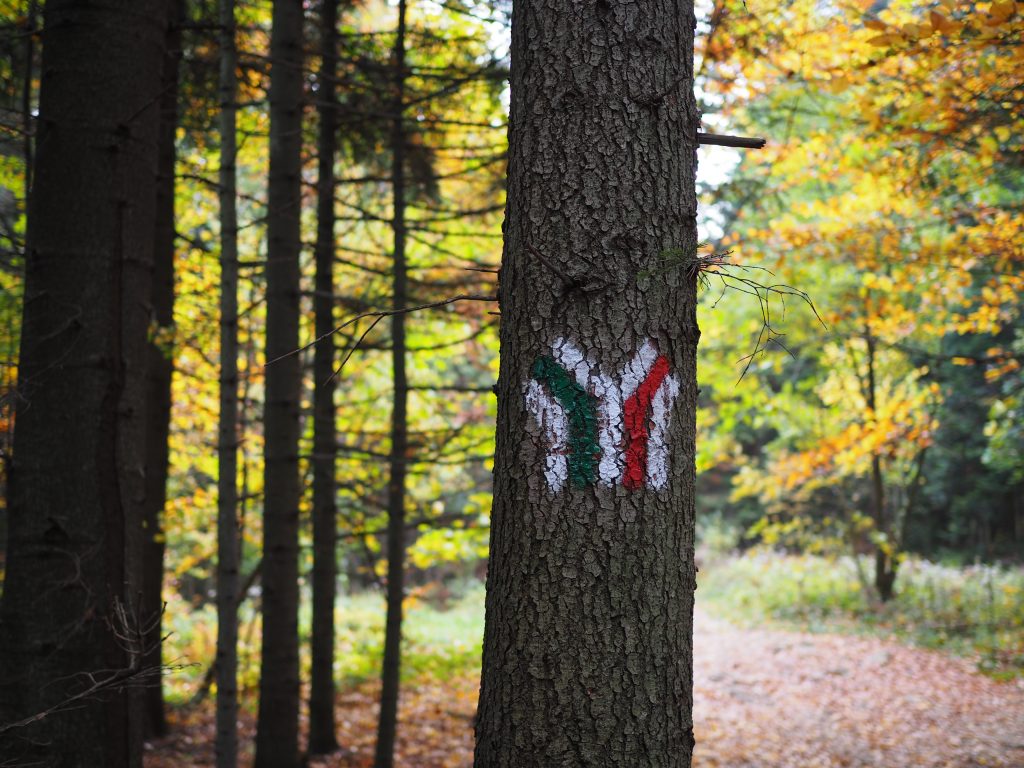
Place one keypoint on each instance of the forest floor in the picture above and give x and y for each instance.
(763, 697)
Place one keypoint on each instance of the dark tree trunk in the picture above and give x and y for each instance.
(161, 369)
(228, 544)
(71, 598)
(391, 664)
(322, 739)
(277, 736)
(588, 639)
(885, 562)
(26, 90)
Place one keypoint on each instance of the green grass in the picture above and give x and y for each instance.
(438, 642)
(976, 610)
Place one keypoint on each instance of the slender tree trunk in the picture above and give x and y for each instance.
(322, 739)
(31, 14)
(391, 665)
(228, 544)
(161, 369)
(588, 639)
(70, 605)
(8, 376)
(277, 736)
(885, 563)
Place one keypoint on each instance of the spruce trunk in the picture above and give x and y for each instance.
(588, 641)
(391, 665)
(161, 370)
(321, 700)
(72, 637)
(228, 539)
(277, 736)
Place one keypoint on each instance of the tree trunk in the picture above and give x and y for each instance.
(391, 665)
(322, 739)
(161, 369)
(885, 563)
(26, 91)
(228, 544)
(277, 736)
(588, 639)
(70, 606)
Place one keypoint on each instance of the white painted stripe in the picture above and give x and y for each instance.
(609, 424)
(657, 443)
(638, 369)
(554, 422)
(571, 357)
(609, 407)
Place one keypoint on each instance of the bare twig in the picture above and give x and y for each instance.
(130, 633)
(735, 277)
(379, 315)
(354, 347)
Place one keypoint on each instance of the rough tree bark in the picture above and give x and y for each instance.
(228, 544)
(277, 736)
(391, 664)
(588, 639)
(322, 739)
(161, 370)
(70, 619)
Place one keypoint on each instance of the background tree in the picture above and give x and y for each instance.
(277, 737)
(325, 439)
(72, 632)
(398, 459)
(161, 369)
(18, 99)
(587, 645)
(906, 233)
(228, 544)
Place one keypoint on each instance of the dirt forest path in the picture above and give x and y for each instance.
(762, 699)
(769, 698)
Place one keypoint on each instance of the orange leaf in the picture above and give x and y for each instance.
(939, 22)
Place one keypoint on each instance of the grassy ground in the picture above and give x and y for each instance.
(848, 701)
(976, 610)
(443, 637)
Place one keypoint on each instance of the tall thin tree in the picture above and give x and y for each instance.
(72, 633)
(322, 738)
(161, 370)
(397, 462)
(228, 545)
(277, 735)
(588, 639)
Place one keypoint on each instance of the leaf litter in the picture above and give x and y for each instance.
(763, 698)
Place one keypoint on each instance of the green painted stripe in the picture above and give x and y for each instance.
(581, 408)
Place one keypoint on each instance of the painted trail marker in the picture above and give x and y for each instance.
(599, 427)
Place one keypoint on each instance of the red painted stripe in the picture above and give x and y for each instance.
(636, 411)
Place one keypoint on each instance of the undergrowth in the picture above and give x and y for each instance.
(976, 610)
(440, 640)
